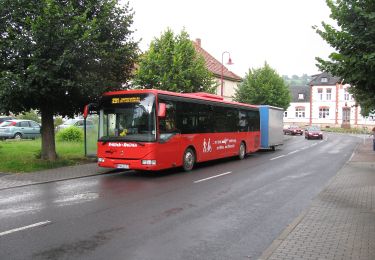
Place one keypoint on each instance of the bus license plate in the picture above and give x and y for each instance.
(122, 166)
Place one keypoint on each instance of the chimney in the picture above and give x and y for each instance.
(198, 41)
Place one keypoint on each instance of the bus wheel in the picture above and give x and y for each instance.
(242, 151)
(188, 160)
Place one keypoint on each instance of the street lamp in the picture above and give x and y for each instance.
(222, 70)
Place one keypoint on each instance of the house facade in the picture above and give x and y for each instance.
(326, 102)
(230, 79)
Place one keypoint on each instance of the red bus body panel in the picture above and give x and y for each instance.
(169, 154)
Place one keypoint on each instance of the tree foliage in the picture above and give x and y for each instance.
(354, 42)
(172, 64)
(296, 80)
(57, 56)
(263, 86)
(29, 115)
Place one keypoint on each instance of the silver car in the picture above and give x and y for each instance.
(19, 129)
(75, 122)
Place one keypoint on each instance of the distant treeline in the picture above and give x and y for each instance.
(297, 80)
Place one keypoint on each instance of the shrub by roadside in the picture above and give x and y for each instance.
(70, 134)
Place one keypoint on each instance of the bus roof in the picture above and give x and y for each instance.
(198, 95)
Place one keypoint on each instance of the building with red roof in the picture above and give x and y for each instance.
(230, 79)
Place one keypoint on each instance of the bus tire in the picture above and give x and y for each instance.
(242, 151)
(188, 160)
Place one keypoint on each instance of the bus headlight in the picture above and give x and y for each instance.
(100, 159)
(148, 162)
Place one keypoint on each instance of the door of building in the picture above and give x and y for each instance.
(345, 117)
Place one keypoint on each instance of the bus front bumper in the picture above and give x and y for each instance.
(144, 164)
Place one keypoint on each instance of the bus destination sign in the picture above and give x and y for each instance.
(122, 100)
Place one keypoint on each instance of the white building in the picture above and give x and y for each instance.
(326, 102)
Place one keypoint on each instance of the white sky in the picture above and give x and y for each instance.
(253, 31)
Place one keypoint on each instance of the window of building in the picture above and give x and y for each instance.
(320, 93)
(347, 95)
(329, 94)
(323, 112)
(300, 96)
(324, 80)
(300, 112)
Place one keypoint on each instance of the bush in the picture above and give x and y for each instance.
(30, 115)
(70, 134)
(58, 121)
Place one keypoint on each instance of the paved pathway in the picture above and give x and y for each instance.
(340, 224)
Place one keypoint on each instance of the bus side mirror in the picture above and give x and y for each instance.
(90, 109)
(162, 110)
(86, 111)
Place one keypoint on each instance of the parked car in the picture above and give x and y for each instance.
(19, 129)
(293, 130)
(313, 132)
(75, 122)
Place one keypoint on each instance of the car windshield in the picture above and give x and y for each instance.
(128, 118)
(314, 128)
(7, 123)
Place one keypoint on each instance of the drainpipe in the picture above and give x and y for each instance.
(311, 106)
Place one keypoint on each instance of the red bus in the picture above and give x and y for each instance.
(154, 130)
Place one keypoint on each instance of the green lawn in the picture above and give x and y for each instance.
(23, 156)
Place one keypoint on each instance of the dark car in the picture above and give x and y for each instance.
(293, 130)
(19, 129)
(313, 132)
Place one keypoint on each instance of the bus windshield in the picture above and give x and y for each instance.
(128, 118)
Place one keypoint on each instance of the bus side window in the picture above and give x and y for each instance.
(243, 121)
(167, 124)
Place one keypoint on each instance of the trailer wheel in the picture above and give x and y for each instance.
(242, 151)
(188, 160)
(273, 148)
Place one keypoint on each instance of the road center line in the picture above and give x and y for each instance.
(25, 227)
(296, 151)
(225, 173)
(277, 157)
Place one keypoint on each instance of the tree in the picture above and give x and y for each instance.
(30, 115)
(354, 42)
(173, 64)
(263, 86)
(57, 55)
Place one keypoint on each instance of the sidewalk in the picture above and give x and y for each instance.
(64, 173)
(340, 224)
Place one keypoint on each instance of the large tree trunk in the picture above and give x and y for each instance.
(48, 136)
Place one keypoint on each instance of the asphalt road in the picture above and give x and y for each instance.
(226, 209)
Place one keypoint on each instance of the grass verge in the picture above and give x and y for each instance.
(22, 156)
(347, 130)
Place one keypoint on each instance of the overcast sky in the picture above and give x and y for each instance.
(253, 31)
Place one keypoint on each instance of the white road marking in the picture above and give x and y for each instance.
(296, 151)
(209, 178)
(277, 157)
(25, 227)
